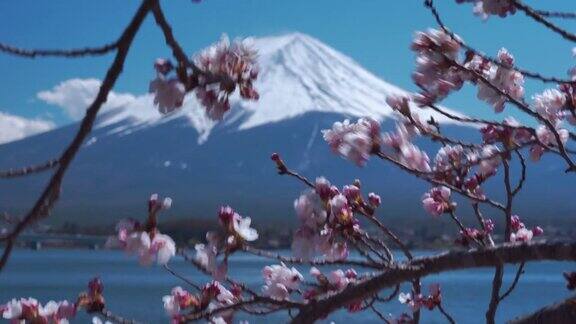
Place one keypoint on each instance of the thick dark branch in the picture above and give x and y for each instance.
(421, 267)
(14, 173)
(561, 312)
(52, 191)
(72, 53)
(286, 259)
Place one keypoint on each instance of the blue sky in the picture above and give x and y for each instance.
(376, 33)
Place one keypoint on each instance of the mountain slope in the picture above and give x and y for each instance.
(305, 86)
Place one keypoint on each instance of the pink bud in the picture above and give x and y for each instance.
(374, 199)
(537, 231)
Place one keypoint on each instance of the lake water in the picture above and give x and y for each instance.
(136, 292)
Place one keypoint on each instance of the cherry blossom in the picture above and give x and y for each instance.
(178, 299)
(415, 302)
(519, 231)
(549, 104)
(521, 235)
(504, 77)
(168, 93)
(485, 8)
(354, 141)
(280, 281)
(149, 247)
(227, 65)
(29, 310)
(547, 137)
(435, 74)
(310, 210)
(437, 201)
(374, 200)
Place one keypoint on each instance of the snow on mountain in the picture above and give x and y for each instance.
(305, 87)
(298, 74)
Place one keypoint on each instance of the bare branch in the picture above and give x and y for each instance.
(421, 267)
(52, 191)
(561, 312)
(71, 53)
(14, 173)
(519, 272)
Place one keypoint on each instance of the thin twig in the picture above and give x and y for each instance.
(14, 173)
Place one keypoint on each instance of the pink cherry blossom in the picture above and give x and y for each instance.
(522, 235)
(412, 157)
(323, 188)
(310, 210)
(206, 254)
(163, 66)
(435, 74)
(226, 65)
(374, 200)
(148, 247)
(160, 250)
(242, 228)
(519, 231)
(437, 201)
(549, 104)
(168, 93)
(177, 300)
(354, 141)
(280, 281)
(236, 225)
(489, 161)
(485, 8)
(29, 310)
(503, 77)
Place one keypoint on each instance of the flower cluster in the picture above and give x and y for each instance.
(324, 213)
(226, 65)
(217, 72)
(332, 283)
(146, 241)
(354, 141)
(437, 201)
(511, 133)
(453, 165)
(280, 281)
(168, 91)
(29, 310)
(469, 235)
(485, 8)
(520, 233)
(212, 296)
(237, 228)
(408, 154)
(206, 256)
(92, 300)
(432, 300)
(502, 76)
(435, 72)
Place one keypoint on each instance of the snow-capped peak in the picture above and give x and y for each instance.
(298, 74)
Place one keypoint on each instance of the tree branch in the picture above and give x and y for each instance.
(421, 267)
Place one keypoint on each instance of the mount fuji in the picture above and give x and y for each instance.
(304, 87)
